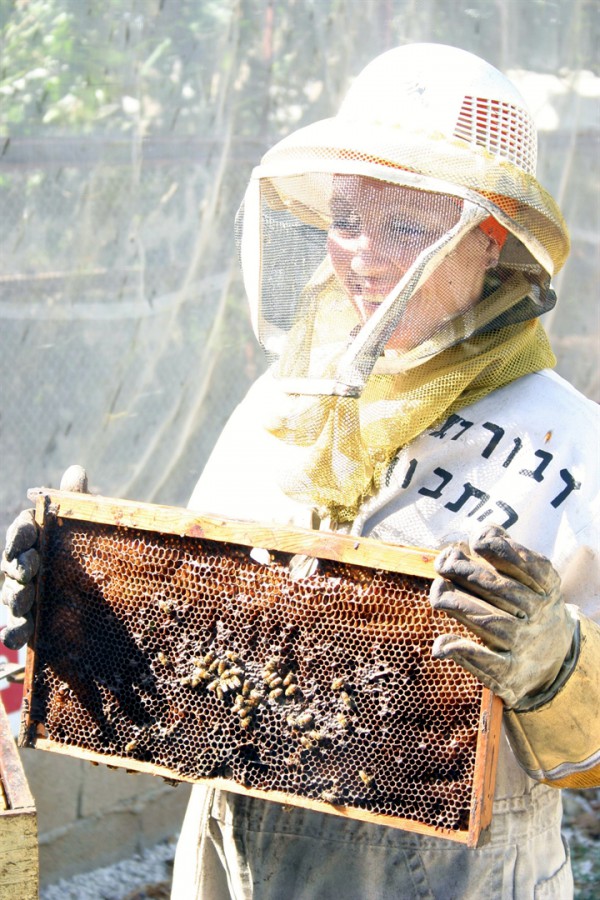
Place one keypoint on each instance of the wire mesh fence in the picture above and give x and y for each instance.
(128, 130)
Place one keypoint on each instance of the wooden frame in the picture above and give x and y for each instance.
(19, 866)
(348, 550)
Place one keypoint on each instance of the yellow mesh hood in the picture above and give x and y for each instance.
(349, 442)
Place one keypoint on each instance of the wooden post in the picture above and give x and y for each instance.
(19, 865)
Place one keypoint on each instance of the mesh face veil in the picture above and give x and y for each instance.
(395, 258)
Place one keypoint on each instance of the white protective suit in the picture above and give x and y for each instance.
(364, 242)
(524, 457)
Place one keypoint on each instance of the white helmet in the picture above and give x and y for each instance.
(442, 113)
(430, 118)
(432, 88)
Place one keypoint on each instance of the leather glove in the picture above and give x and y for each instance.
(509, 597)
(20, 563)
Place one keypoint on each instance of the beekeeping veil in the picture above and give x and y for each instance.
(396, 257)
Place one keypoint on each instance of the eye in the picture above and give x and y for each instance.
(347, 225)
(405, 228)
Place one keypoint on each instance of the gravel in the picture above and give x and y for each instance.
(144, 875)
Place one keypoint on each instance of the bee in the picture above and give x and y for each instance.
(274, 681)
(276, 694)
(343, 720)
(366, 778)
(329, 796)
(337, 684)
(221, 666)
(273, 663)
(289, 679)
(348, 700)
(305, 720)
(162, 658)
(292, 690)
(131, 746)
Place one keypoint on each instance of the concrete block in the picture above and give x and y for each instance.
(103, 788)
(55, 782)
(162, 815)
(88, 844)
(112, 835)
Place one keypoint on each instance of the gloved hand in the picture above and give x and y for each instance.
(510, 598)
(20, 564)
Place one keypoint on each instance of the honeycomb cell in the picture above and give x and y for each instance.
(186, 654)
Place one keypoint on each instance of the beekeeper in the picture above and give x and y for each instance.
(397, 258)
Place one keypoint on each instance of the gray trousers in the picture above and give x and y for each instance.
(235, 848)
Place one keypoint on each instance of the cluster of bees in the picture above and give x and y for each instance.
(281, 685)
(226, 675)
(221, 674)
(310, 736)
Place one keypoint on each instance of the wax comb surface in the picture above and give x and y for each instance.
(186, 657)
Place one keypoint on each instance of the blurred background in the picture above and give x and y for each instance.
(128, 130)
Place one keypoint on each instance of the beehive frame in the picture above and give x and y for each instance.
(165, 644)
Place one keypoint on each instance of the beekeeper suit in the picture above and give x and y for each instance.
(396, 258)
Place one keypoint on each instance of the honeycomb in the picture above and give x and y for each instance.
(187, 654)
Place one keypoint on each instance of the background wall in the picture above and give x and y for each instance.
(128, 129)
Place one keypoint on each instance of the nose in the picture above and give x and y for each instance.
(371, 254)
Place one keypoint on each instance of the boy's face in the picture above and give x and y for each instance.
(378, 230)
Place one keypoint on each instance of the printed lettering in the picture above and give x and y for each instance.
(444, 477)
(469, 491)
(409, 473)
(518, 444)
(538, 474)
(571, 485)
(511, 516)
(497, 435)
(450, 422)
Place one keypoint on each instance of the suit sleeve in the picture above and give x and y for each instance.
(558, 742)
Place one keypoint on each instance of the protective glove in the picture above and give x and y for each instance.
(509, 597)
(20, 563)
